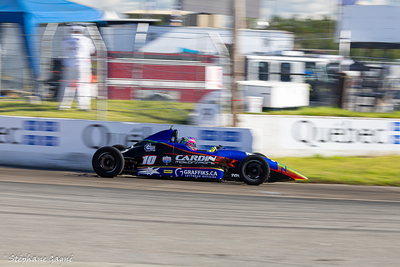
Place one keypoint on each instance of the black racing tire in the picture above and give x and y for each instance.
(120, 147)
(108, 162)
(259, 154)
(254, 170)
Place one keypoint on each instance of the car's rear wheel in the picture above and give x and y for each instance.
(108, 162)
(254, 170)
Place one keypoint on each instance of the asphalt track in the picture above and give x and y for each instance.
(92, 221)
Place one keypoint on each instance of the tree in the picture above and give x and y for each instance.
(309, 33)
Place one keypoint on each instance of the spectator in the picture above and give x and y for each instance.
(77, 73)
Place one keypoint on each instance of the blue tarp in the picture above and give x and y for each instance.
(30, 13)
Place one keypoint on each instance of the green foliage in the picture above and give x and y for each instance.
(309, 33)
(319, 34)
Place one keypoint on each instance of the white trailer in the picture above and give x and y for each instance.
(285, 81)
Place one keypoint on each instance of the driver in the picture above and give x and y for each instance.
(189, 142)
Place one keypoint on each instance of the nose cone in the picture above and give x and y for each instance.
(297, 176)
(290, 172)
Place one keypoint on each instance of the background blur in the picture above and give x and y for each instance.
(338, 54)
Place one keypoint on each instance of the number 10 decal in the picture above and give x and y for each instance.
(149, 160)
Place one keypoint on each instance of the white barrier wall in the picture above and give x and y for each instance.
(278, 136)
(70, 144)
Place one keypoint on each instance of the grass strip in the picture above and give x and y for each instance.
(331, 112)
(117, 110)
(347, 170)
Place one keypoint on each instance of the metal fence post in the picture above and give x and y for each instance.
(101, 60)
(46, 55)
(137, 70)
(1, 74)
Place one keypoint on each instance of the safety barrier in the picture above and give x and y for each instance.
(70, 144)
(282, 136)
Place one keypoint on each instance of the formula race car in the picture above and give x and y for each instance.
(162, 155)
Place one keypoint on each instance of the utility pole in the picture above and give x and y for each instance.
(239, 22)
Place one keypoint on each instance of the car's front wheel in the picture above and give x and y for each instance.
(108, 162)
(254, 170)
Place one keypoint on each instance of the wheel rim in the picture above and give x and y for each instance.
(253, 169)
(107, 162)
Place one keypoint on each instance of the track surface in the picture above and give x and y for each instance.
(151, 222)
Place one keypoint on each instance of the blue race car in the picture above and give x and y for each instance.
(161, 155)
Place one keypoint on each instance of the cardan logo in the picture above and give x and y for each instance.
(195, 159)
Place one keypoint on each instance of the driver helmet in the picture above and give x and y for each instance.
(189, 141)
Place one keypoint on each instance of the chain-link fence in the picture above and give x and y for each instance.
(368, 80)
(190, 65)
(15, 70)
(141, 63)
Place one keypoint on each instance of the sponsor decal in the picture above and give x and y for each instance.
(309, 133)
(96, 135)
(167, 159)
(208, 135)
(195, 159)
(9, 135)
(43, 126)
(226, 136)
(148, 171)
(149, 148)
(32, 133)
(93, 130)
(149, 160)
(230, 136)
(235, 175)
(167, 171)
(39, 140)
(395, 138)
(197, 173)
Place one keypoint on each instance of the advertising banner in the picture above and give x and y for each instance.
(326, 136)
(67, 143)
(344, 134)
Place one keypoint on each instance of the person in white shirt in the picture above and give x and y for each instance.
(77, 70)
